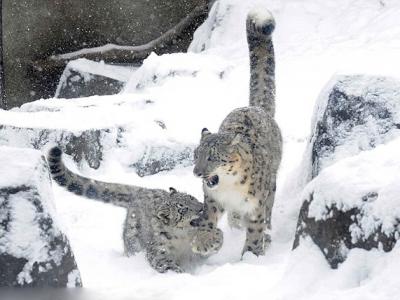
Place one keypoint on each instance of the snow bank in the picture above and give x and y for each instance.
(364, 275)
(33, 250)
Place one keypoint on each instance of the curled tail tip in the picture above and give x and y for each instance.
(54, 161)
(55, 152)
(260, 22)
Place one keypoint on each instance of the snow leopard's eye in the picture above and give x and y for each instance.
(212, 155)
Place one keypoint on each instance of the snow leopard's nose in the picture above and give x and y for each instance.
(195, 222)
(197, 172)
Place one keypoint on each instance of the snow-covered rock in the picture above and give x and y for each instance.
(84, 146)
(354, 113)
(162, 158)
(115, 129)
(83, 78)
(352, 160)
(354, 203)
(33, 250)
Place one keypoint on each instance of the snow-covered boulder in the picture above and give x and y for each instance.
(84, 78)
(162, 158)
(352, 160)
(93, 129)
(89, 147)
(354, 203)
(33, 250)
(354, 113)
(83, 146)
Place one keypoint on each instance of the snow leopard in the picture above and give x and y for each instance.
(157, 221)
(239, 163)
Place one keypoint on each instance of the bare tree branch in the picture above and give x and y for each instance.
(125, 54)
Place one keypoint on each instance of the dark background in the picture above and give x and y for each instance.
(36, 29)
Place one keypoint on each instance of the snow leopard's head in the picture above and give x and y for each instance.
(217, 157)
(179, 210)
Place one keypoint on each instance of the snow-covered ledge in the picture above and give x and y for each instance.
(93, 129)
(33, 250)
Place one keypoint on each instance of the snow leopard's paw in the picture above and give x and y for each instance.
(163, 266)
(207, 241)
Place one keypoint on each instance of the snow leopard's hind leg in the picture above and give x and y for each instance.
(255, 235)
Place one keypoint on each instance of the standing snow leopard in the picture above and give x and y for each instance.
(239, 164)
(157, 221)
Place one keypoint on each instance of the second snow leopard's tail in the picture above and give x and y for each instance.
(260, 25)
(117, 194)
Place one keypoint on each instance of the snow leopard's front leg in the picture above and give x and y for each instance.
(208, 238)
(211, 214)
(161, 260)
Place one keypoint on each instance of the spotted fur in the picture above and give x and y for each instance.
(157, 222)
(239, 164)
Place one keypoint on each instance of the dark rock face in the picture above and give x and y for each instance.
(34, 252)
(333, 234)
(9, 267)
(78, 84)
(84, 78)
(356, 114)
(77, 25)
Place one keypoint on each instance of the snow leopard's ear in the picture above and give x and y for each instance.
(204, 133)
(172, 190)
(163, 216)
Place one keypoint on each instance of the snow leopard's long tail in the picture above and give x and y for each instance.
(117, 194)
(260, 25)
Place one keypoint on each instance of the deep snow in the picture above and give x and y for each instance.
(313, 40)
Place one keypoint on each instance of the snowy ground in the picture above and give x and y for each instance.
(314, 39)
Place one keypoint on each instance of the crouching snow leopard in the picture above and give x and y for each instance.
(239, 164)
(157, 221)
